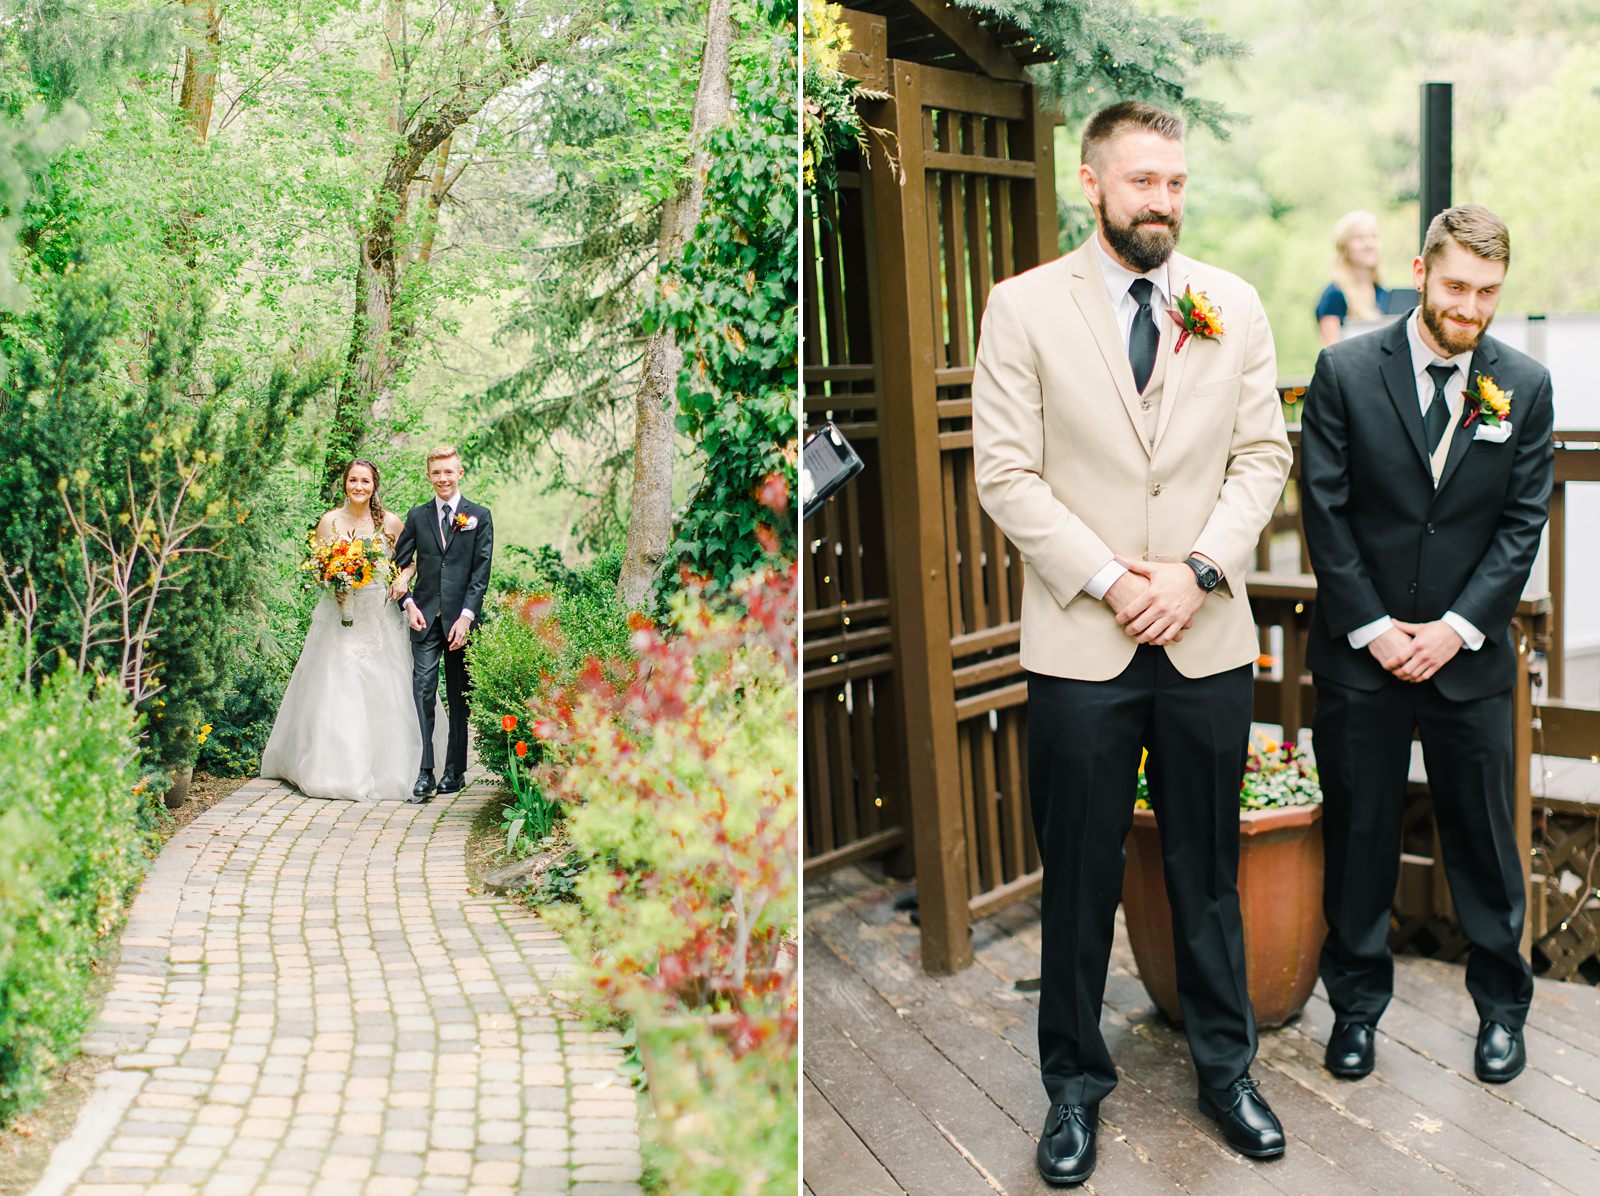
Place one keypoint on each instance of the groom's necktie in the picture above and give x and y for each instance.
(1144, 336)
(1437, 417)
(444, 525)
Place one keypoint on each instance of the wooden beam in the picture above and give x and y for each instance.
(911, 463)
(968, 40)
(867, 59)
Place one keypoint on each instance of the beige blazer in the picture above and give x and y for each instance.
(1066, 469)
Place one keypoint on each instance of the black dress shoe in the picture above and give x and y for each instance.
(1066, 1148)
(1351, 1050)
(423, 789)
(1500, 1055)
(1247, 1121)
(451, 782)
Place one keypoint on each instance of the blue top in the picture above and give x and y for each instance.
(1333, 302)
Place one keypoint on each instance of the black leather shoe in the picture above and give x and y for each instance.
(451, 782)
(1500, 1055)
(1352, 1049)
(423, 790)
(1247, 1121)
(1066, 1148)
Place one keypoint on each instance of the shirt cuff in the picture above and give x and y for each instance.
(1362, 636)
(1471, 637)
(1102, 581)
(468, 615)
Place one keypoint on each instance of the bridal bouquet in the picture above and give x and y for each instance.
(343, 566)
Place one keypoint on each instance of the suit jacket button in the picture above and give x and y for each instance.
(1430, 529)
(1413, 587)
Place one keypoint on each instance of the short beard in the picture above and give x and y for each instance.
(1453, 343)
(1143, 250)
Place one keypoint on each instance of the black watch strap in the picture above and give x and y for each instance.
(1206, 575)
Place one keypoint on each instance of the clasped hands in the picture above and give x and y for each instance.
(1155, 601)
(1416, 651)
(455, 639)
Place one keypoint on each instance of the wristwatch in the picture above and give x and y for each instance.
(1207, 576)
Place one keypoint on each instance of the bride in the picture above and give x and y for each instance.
(348, 727)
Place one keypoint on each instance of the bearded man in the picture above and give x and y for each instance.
(1129, 442)
(1426, 466)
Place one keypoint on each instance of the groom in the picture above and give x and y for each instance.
(452, 542)
(1423, 519)
(1133, 469)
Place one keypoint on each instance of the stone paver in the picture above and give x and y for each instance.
(309, 1000)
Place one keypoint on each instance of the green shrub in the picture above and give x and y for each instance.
(71, 849)
(538, 637)
(679, 777)
(243, 720)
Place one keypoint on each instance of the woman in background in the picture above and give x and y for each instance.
(1355, 291)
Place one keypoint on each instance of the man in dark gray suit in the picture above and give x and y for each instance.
(1426, 468)
(451, 542)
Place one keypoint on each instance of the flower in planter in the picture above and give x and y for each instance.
(1275, 775)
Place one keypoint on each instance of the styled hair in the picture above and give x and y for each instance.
(1473, 227)
(375, 504)
(1360, 296)
(1118, 118)
(439, 452)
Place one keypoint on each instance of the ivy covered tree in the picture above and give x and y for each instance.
(731, 300)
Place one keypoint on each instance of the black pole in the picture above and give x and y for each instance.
(1436, 157)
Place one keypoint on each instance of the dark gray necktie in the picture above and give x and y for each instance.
(444, 525)
(1437, 417)
(1144, 336)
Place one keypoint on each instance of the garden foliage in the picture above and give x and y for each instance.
(73, 825)
(678, 776)
(131, 537)
(547, 622)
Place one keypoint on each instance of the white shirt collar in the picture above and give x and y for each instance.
(1422, 356)
(1118, 278)
(441, 506)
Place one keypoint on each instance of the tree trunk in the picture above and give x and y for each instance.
(650, 516)
(377, 344)
(200, 67)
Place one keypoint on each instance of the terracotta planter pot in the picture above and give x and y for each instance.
(1280, 897)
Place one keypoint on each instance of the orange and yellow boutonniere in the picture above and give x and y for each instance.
(1489, 401)
(461, 521)
(1197, 316)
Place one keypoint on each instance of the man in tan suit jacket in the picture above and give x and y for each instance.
(1134, 467)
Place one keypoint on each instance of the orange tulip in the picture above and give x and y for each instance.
(509, 722)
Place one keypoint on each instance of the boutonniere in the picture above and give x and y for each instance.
(1489, 401)
(465, 522)
(1197, 316)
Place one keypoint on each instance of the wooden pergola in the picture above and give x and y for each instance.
(915, 697)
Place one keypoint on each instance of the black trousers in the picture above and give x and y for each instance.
(1363, 746)
(425, 655)
(1084, 739)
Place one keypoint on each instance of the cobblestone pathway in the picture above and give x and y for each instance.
(309, 1001)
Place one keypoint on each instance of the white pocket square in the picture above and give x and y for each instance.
(1494, 433)
(472, 520)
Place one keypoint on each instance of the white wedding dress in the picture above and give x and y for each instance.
(347, 727)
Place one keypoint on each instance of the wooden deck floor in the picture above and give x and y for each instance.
(931, 1087)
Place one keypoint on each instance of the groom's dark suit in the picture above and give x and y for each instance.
(1384, 540)
(452, 576)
